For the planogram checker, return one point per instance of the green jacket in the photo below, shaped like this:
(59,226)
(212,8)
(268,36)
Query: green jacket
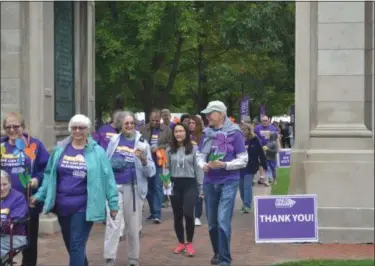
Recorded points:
(101,184)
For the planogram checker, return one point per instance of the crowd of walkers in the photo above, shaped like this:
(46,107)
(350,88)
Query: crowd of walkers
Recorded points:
(107,177)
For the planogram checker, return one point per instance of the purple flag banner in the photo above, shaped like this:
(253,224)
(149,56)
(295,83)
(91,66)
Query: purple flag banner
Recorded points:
(262,111)
(244,108)
(286,219)
(283,158)
(292,113)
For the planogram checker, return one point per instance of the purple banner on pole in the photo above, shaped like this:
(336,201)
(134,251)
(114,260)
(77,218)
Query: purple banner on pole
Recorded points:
(244,107)
(292,113)
(262,111)
(283,158)
(286,219)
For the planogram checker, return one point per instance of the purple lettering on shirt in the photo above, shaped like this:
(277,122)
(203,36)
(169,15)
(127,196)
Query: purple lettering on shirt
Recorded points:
(264,133)
(125,151)
(71,192)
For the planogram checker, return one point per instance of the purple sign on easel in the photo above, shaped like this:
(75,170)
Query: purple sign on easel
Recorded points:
(283,158)
(286,219)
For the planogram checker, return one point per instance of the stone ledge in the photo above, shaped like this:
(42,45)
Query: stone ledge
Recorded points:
(341,130)
(346,235)
(48,224)
(331,217)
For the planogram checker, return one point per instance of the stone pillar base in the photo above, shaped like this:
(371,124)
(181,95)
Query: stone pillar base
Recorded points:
(346,225)
(48,224)
(344,183)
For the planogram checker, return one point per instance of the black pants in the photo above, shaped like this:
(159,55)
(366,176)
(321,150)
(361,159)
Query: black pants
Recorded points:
(285,143)
(183,198)
(30,254)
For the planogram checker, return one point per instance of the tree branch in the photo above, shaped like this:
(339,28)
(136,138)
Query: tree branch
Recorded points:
(208,59)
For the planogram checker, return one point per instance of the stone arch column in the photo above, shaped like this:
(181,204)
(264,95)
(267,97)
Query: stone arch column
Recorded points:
(334,150)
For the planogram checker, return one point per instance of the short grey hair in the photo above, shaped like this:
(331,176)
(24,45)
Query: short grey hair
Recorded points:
(6,175)
(165,111)
(79,119)
(120,119)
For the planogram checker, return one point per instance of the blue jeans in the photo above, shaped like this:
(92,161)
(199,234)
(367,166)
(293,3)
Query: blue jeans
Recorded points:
(220,200)
(76,230)
(155,194)
(271,170)
(246,189)
(198,207)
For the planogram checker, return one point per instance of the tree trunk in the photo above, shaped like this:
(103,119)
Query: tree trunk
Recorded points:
(202,92)
(173,73)
(148,89)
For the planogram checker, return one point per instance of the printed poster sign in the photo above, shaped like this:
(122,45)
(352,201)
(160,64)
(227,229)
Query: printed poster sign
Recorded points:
(286,219)
(283,158)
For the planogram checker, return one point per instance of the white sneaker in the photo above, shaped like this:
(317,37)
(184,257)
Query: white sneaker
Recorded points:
(198,222)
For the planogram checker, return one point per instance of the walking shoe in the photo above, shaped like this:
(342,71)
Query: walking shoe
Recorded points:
(110,262)
(245,210)
(198,222)
(180,248)
(122,238)
(149,218)
(190,250)
(215,260)
(157,221)
(140,234)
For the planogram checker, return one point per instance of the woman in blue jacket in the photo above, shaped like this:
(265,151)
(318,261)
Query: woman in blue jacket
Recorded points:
(77,183)
(257,158)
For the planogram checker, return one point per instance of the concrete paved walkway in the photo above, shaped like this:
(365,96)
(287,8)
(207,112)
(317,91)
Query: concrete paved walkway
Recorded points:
(159,240)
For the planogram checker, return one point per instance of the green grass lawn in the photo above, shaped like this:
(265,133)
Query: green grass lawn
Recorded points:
(329,263)
(281,188)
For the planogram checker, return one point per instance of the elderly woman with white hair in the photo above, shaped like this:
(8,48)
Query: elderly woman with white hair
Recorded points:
(221,155)
(132,163)
(14,208)
(78,181)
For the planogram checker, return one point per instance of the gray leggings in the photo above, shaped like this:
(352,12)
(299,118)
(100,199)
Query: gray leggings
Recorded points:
(18,241)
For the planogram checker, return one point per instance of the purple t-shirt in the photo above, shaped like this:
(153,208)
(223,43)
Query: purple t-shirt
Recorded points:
(264,133)
(125,151)
(104,135)
(231,145)
(171,125)
(13,207)
(14,167)
(71,192)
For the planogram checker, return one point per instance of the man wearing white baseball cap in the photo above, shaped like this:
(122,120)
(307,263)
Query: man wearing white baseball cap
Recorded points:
(221,155)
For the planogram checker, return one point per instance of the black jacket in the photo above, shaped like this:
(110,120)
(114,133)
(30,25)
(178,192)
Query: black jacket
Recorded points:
(256,157)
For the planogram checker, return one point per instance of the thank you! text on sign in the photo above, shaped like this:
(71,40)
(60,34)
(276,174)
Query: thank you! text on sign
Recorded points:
(283,219)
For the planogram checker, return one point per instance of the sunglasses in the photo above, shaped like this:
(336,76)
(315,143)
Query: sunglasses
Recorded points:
(129,123)
(15,127)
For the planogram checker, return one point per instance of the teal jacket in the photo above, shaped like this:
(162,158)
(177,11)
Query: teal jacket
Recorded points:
(101,184)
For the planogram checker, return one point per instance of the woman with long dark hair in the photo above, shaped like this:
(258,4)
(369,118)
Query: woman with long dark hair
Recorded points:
(186,183)
(196,129)
(196,133)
